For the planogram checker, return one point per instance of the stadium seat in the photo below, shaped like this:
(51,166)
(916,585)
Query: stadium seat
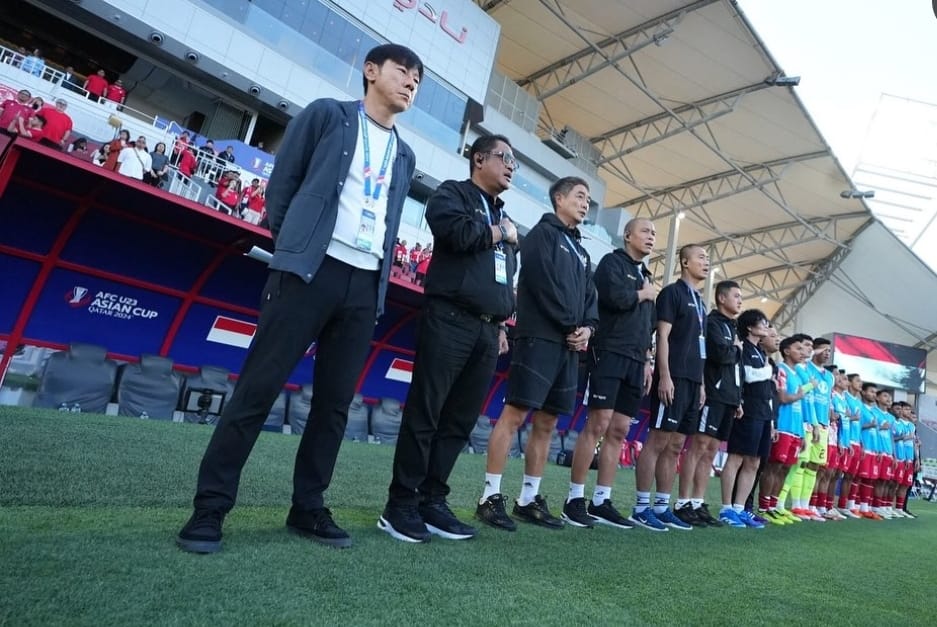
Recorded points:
(385,420)
(80,378)
(515,450)
(277,415)
(358,413)
(210,378)
(569,440)
(299,409)
(148,389)
(478,438)
(556,445)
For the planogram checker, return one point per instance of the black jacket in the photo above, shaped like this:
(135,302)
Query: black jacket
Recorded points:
(463,266)
(626,326)
(555,292)
(721,371)
(304,189)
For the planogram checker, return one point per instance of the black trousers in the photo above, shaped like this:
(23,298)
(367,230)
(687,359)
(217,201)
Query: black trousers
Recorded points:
(338,310)
(456,355)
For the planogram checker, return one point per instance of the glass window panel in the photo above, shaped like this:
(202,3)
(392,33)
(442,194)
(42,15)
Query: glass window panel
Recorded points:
(332,35)
(314,22)
(413,211)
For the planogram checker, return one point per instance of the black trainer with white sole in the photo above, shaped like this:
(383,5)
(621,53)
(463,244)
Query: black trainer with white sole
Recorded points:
(440,521)
(403,523)
(574,512)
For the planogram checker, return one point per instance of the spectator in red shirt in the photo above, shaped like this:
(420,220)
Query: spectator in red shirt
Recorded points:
(229,192)
(96,85)
(180,146)
(252,202)
(400,253)
(116,92)
(13,108)
(187,162)
(58,125)
(31,128)
(423,266)
(116,145)
(415,256)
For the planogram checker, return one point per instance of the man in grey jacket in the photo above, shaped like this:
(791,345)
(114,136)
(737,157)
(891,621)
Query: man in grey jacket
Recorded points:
(334,203)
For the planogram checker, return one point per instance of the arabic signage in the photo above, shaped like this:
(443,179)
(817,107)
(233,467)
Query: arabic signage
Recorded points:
(456,40)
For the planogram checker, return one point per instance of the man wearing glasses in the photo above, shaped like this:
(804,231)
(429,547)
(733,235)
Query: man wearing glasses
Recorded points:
(556,315)
(469,294)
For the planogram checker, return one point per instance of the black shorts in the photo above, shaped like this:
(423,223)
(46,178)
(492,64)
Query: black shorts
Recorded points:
(716,420)
(615,382)
(544,375)
(750,437)
(683,414)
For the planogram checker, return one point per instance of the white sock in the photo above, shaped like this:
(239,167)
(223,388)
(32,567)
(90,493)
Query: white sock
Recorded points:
(492,486)
(642,501)
(529,489)
(739,508)
(601,494)
(851,504)
(697,503)
(681,503)
(576,491)
(726,507)
(864,507)
(661,502)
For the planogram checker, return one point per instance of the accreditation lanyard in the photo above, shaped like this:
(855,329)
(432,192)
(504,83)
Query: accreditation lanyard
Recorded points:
(371,198)
(501,259)
(698,303)
(575,251)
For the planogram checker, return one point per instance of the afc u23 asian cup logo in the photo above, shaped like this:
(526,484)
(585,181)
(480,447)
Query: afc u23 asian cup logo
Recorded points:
(77,297)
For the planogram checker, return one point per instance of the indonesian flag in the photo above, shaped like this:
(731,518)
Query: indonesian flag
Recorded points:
(400,370)
(231,332)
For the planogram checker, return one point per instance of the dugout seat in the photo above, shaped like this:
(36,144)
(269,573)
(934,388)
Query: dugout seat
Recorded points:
(358,414)
(80,376)
(148,388)
(277,415)
(478,438)
(300,403)
(385,420)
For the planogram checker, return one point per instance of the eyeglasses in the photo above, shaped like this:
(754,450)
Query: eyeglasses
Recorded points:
(507,158)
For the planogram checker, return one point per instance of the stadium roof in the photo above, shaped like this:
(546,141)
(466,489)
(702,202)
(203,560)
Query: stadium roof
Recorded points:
(688,112)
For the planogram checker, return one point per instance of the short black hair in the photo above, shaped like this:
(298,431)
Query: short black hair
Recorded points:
(852,376)
(564,186)
(885,391)
(787,342)
(803,337)
(485,143)
(750,318)
(867,385)
(396,53)
(821,341)
(685,251)
(723,287)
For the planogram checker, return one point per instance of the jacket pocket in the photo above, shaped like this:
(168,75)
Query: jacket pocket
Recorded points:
(299,224)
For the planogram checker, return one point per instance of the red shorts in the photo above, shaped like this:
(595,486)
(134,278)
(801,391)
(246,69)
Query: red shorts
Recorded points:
(869,466)
(855,456)
(785,450)
(887,468)
(907,473)
(832,458)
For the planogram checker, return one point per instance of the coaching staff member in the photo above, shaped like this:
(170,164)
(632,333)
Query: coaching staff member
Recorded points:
(469,294)
(334,203)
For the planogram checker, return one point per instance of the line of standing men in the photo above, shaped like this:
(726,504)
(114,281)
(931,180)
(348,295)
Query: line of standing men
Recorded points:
(334,203)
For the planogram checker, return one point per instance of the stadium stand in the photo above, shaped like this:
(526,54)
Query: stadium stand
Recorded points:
(277,415)
(385,420)
(358,416)
(299,409)
(479,436)
(212,384)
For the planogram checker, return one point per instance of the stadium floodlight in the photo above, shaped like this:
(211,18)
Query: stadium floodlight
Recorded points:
(857,193)
(779,80)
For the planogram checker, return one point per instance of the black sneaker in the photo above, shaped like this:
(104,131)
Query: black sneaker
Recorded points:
(702,513)
(538,513)
(317,525)
(688,515)
(202,534)
(442,522)
(492,512)
(606,514)
(403,522)
(574,512)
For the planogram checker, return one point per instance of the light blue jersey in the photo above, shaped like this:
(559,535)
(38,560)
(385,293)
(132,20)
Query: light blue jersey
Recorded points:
(791,415)
(838,400)
(822,393)
(807,407)
(853,404)
(886,442)
(869,434)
